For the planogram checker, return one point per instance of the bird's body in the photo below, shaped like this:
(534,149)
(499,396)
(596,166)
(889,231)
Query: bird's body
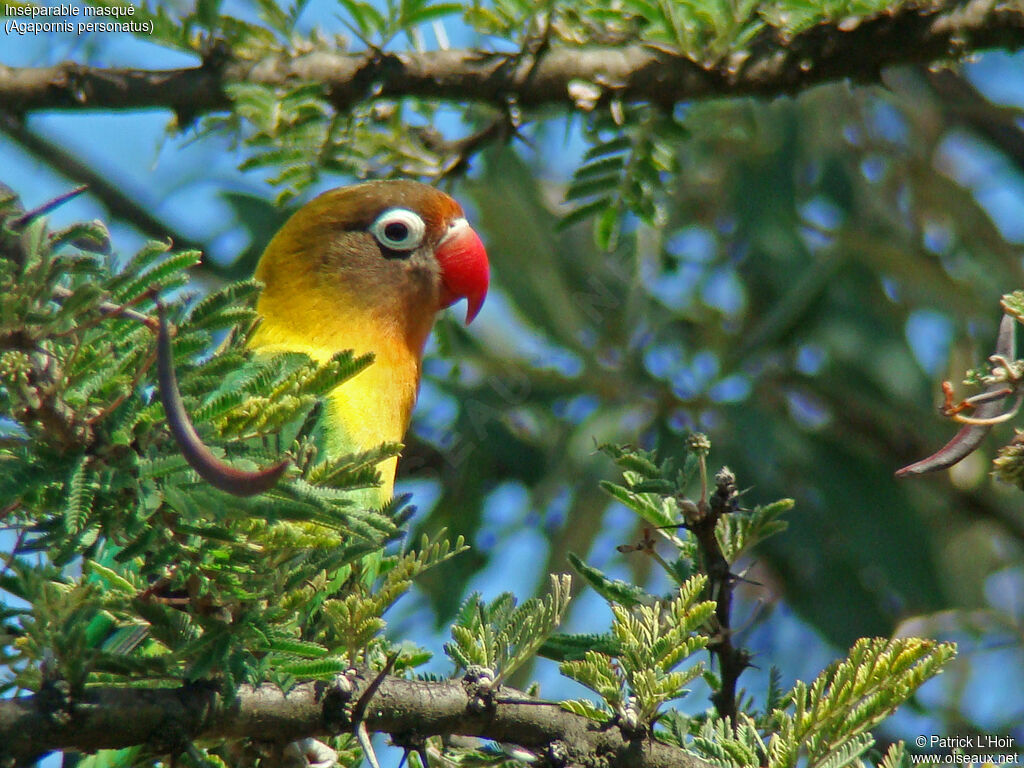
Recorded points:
(367,268)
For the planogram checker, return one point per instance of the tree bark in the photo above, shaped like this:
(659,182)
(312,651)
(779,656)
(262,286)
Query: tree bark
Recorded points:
(856,48)
(168,719)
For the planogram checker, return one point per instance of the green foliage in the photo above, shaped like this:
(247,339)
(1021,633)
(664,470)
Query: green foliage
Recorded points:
(740,533)
(631,153)
(501,636)
(705,32)
(827,720)
(897,757)
(825,723)
(1008,465)
(653,641)
(150,574)
(612,590)
(285,125)
(354,620)
(560,647)
(654,490)
(378,26)
(720,744)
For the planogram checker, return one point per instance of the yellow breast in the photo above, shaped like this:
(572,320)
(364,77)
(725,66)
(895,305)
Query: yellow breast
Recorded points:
(375,405)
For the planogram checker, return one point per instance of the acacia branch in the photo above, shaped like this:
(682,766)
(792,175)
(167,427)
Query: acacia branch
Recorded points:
(702,521)
(775,63)
(168,719)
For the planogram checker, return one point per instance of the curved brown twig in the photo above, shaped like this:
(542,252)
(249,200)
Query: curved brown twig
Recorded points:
(200,458)
(967,440)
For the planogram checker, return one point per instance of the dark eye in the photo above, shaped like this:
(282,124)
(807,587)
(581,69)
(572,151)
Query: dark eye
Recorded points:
(398,229)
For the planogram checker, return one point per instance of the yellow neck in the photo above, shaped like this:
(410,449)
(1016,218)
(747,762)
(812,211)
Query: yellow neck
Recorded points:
(375,405)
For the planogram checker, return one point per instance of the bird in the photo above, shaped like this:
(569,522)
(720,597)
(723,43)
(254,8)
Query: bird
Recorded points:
(366,268)
(363,268)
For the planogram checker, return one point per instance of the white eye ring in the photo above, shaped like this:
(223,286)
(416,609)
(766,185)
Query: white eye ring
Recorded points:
(398,229)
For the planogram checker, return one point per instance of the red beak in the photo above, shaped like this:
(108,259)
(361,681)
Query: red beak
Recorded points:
(465,272)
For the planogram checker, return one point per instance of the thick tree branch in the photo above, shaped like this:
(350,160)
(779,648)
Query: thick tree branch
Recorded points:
(856,49)
(167,719)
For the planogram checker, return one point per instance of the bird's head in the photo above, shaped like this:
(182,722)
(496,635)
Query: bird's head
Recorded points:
(393,251)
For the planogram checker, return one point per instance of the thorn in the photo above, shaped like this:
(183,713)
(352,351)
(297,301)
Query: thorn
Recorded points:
(741,578)
(214,471)
(48,206)
(311,753)
(359,710)
(363,736)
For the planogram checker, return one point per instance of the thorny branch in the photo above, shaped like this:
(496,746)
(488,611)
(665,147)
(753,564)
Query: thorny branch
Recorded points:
(775,63)
(701,519)
(399,707)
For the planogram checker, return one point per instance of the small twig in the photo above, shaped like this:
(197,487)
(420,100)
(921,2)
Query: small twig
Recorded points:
(8,510)
(125,392)
(991,422)
(967,440)
(535,47)
(731,660)
(646,545)
(214,471)
(951,408)
(458,152)
(1009,375)
(525,701)
(111,309)
(46,207)
(409,744)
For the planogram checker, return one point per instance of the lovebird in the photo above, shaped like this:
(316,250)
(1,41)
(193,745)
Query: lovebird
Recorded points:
(367,267)
(363,268)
